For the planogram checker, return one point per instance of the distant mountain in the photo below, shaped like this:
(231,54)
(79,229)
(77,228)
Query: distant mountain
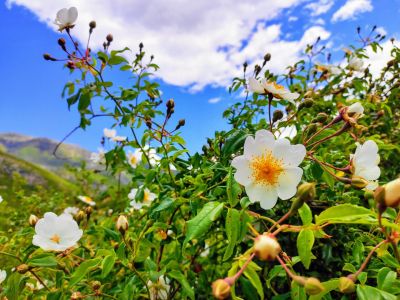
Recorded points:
(40,151)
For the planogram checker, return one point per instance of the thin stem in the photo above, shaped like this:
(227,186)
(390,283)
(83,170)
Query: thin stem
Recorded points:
(269,111)
(283,218)
(368,258)
(39,279)
(284,266)
(11,255)
(242,269)
(341,130)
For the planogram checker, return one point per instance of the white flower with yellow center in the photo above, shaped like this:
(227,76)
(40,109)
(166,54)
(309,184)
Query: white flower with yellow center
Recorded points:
(266,87)
(364,163)
(3,275)
(268,168)
(159,290)
(356,64)
(66,18)
(154,158)
(148,197)
(87,200)
(134,158)
(56,233)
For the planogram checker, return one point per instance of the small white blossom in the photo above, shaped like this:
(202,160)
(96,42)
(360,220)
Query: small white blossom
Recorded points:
(56,233)
(159,290)
(66,18)
(3,275)
(263,87)
(71,210)
(134,158)
(87,200)
(268,168)
(112,135)
(287,132)
(98,157)
(148,197)
(364,163)
(356,109)
(154,158)
(356,64)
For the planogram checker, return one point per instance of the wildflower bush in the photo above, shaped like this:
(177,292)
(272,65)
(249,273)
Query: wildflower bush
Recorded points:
(297,200)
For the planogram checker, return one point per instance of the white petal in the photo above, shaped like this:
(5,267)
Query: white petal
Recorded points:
(356,108)
(291,155)
(288,181)
(290,96)
(259,193)
(370,173)
(62,16)
(263,142)
(255,86)
(72,15)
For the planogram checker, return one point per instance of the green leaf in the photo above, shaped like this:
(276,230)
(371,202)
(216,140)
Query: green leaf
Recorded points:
(187,289)
(387,281)
(305,214)
(15,284)
(83,269)
(43,260)
(107,264)
(116,60)
(329,286)
(346,213)
(297,292)
(233,189)
(251,274)
(366,292)
(200,224)
(305,242)
(84,101)
(232,228)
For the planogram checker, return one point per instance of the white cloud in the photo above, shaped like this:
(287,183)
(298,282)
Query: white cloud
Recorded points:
(377,61)
(381,31)
(319,21)
(351,9)
(293,19)
(196,43)
(320,7)
(214,100)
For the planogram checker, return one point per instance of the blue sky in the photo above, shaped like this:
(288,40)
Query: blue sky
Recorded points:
(199,48)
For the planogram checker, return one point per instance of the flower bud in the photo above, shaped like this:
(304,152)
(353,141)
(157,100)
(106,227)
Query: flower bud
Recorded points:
(76,296)
(313,286)
(346,285)
(180,124)
(22,269)
(170,104)
(33,220)
(392,193)
(92,24)
(221,289)
(306,192)
(88,211)
(308,102)
(96,285)
(278,114)
(122,224)
(71,65)
(80,216)
(109,38)
(266,247)
(61,42)
(47,56)
(267,57)
(311,129)
(359,182)
(321,118)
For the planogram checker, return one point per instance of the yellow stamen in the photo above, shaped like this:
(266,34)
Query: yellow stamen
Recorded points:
(146,196)
(55,238)
(133,160)
(266,169)
(278,86)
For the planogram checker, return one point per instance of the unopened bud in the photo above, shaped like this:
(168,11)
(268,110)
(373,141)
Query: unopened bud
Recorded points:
(257,69)
(321,118)
(392,193)
(61,42)
(122,224)
(148,122)
(76,296)
(170,104)
(96,285)
(140,46)
(80,216)
(33,220)
(346,285)
(278,114)
(47,56)
(308,102)
(92,24)
(267,57)
(311,129)
(22,269)
(221,289)
(359,182)
(71,65)
(109,38)
(313,286)
(266,247)
(180,124)
(88,211)
(306,192)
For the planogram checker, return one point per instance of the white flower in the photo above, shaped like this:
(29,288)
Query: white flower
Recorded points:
(98,157)
(66,18)
(365,162)
(38,286)
(154,158)
(160,289)
(87,200)
(135,158)
(1,199)
(56,233)
(288,132)
(355,109)
(3,275)
(148,197)
(71,210)
(268,168)
(112,135)
(334,70)
(279,91)
(356,64)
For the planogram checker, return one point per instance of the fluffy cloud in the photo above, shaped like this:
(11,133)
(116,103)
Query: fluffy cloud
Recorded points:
(214,100)
(196,43)
(320,7)
(351,9)
(378,60)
